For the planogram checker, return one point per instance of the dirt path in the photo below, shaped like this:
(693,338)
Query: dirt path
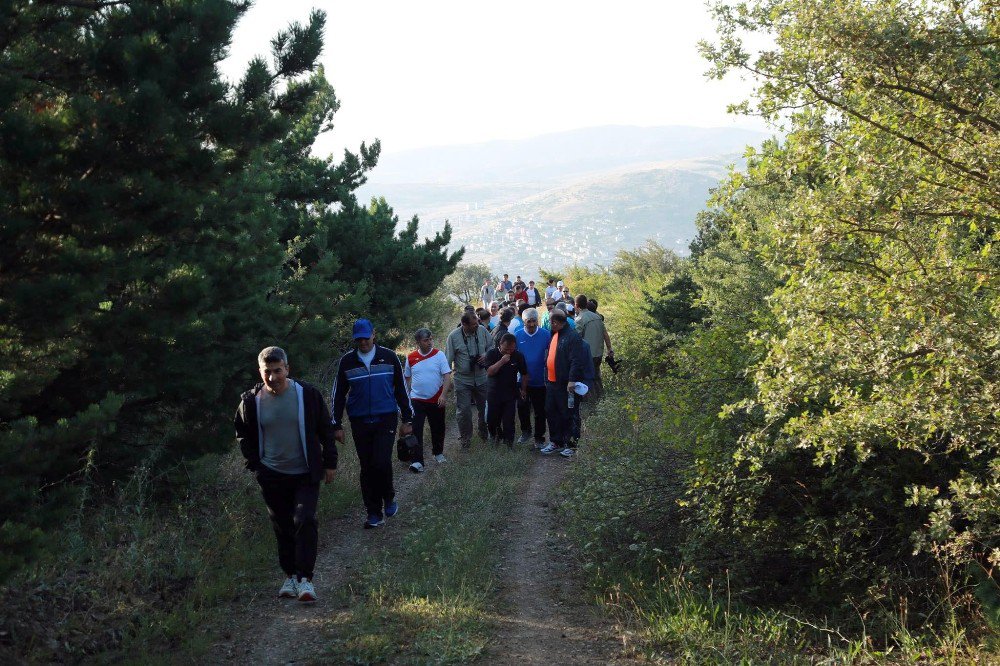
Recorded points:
(269,623)
(549,621)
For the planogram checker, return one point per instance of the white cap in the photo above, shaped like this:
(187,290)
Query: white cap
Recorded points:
(559,284)
(581,388)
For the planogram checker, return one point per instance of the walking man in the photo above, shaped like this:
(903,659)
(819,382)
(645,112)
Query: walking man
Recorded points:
(284,432)
(486,293)
(503,366)
(591,327)
(465,350)
(428,381)
(564,367)
(534,296)
(533,343)
(370,384)
(504,287)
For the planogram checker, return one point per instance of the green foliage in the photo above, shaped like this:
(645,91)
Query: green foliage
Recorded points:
(821,405)
(159,227)
(464,283)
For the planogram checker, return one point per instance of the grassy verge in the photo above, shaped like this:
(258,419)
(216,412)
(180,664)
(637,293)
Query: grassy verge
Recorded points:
(144,580)
(620,516)
(427,599)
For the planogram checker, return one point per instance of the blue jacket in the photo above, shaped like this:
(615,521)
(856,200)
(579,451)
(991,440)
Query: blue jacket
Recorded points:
(370,392)
(533,347)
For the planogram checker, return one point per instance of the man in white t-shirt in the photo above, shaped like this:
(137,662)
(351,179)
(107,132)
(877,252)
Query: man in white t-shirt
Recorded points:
(428,380)
(486,293)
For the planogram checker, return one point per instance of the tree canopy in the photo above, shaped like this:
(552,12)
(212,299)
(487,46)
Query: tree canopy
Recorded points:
(161,225)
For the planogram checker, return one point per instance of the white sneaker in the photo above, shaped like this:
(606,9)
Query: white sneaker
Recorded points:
(524,438)
(416,467)
(440,458)
(548,448)
(306,590)
(289,589)
(567,452)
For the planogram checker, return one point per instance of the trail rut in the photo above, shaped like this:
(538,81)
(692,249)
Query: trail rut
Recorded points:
(549,620)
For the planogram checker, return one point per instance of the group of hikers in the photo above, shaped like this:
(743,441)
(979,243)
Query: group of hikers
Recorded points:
(504,360)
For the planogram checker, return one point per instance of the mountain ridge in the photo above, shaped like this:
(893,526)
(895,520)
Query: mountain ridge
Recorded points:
(514,203)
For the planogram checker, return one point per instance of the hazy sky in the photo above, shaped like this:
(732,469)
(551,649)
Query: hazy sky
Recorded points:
(443,72)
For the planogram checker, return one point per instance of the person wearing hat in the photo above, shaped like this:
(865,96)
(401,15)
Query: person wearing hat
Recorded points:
(370,385)
(284,432)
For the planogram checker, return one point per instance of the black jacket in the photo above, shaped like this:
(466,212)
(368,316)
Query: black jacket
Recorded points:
(320,446)
(570,357)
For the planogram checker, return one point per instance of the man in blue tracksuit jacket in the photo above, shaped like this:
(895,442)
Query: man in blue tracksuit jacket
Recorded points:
(370,384)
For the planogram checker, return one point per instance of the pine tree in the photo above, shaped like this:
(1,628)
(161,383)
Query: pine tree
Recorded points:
(159,227)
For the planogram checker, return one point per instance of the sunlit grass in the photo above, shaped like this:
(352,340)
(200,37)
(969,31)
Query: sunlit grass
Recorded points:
(427,599)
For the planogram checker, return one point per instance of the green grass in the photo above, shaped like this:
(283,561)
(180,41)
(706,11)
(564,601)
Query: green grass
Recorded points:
(673,620)
(428,599)
(673,617)
(142,580)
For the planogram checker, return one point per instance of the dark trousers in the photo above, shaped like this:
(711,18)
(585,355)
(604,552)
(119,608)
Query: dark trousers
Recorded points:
(433,415)
(467,396)
(559,415)
(576,420)
(597,389)
(535,403)
(500,417)
(374,439)
(291,503)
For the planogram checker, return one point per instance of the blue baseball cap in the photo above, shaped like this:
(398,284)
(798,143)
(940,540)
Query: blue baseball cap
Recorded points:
(363,329)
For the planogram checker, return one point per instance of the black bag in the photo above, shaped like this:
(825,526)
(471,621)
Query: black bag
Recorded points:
(406,448)
(612,362)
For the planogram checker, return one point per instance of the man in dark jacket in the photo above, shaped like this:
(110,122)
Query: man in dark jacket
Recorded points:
(284,432)
(370,384)
(564,367)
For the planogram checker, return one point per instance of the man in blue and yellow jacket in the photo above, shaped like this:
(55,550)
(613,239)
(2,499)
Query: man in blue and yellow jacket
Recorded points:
(370,384)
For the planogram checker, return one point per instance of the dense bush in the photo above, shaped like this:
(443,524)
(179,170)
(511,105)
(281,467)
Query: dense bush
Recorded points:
(826,380)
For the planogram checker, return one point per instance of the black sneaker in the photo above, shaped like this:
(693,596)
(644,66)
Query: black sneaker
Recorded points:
(373,522)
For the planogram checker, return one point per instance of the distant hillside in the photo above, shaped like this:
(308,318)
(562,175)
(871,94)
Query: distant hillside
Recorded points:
(559,156)
(573,197)
(586,223)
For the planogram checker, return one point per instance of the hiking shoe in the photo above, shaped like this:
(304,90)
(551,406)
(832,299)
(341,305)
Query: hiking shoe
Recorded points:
(289,589)
(440,458)
(392,508)
(416,467)
(548,448)
(373,522)
(306,590)
(524,439)
(567,452)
